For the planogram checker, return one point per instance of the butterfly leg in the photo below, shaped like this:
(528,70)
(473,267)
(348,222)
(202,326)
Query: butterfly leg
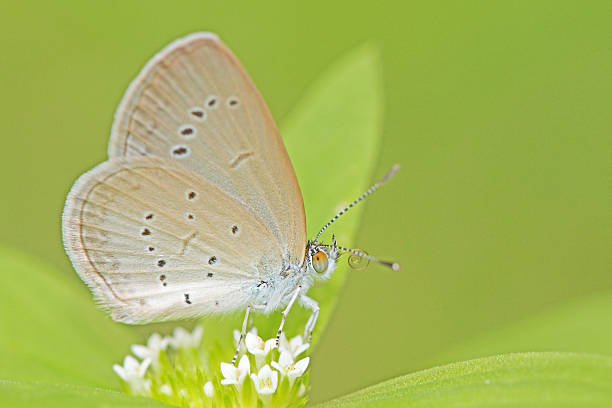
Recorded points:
(244,328)
(242,334)
(286,311)
(312,320)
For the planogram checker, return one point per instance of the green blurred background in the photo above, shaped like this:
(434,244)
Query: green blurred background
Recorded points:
(499,112)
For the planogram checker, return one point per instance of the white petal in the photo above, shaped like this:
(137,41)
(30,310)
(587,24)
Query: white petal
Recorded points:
(301,366)
(300,349)
(229,371)
(141,351)
(278,367)
(254,343)
(130,363)
(265,371)
(255,381)
(180,333)
(228,382)
(209,390)
(284,343)
(169,340)
(120,371)
(179,338)
(143,367)
(244,366)
(269,345)
(285,359)
(156,342)
(274,380)
(266,390)
(296,342)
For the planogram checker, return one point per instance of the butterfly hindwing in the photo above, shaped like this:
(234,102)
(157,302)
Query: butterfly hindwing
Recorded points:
(155,241)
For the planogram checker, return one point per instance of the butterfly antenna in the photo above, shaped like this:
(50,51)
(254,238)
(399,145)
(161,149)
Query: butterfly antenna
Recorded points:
(370,190)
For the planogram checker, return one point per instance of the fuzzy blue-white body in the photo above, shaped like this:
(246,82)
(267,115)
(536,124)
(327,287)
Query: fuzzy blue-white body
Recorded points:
(274,290)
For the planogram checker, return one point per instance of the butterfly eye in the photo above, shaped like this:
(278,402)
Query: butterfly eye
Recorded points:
(319,262)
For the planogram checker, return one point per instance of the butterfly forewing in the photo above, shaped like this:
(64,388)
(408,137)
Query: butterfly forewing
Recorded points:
(198,200)
(194,103)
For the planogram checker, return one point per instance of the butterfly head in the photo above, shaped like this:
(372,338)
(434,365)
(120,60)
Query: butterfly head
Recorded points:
(321,259)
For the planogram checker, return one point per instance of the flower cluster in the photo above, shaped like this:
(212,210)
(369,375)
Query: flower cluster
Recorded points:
(179,370)
(264,378)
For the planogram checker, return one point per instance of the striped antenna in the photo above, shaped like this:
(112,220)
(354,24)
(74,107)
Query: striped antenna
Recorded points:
(370,190)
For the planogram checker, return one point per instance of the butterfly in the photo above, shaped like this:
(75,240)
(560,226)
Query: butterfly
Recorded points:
(197,210)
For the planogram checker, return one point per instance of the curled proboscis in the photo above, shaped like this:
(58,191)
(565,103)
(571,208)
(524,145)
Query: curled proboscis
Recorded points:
(357,262)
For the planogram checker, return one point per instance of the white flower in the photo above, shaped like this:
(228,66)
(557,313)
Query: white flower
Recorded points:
(287,367)
(209,390)
(302,390)
(235,375)
(294,347)
(265,381)
(181,338)
(132,372)
(257,347)
(155,344)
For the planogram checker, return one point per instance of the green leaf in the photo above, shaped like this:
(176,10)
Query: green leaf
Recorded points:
(332,137)
(38,394)
(583,325)
(510,380)
(50,329)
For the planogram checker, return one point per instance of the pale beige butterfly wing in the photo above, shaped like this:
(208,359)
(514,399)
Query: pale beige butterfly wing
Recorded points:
(195,103)
(153,243)
(246,219)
